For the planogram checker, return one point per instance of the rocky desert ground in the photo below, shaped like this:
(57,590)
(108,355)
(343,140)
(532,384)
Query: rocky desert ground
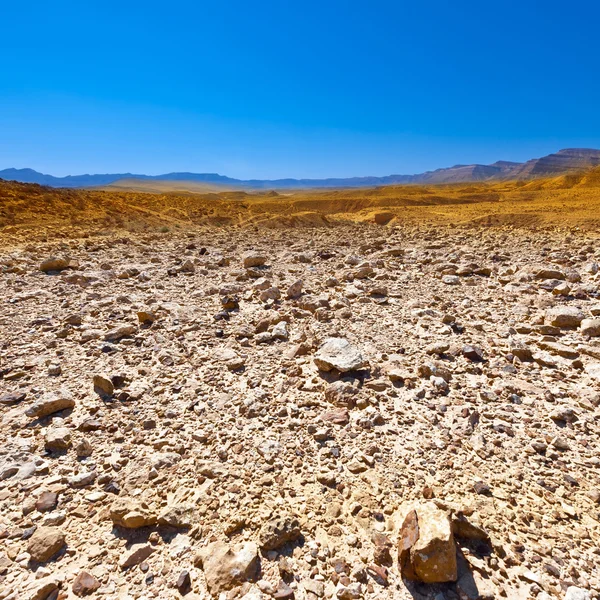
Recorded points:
(390,395)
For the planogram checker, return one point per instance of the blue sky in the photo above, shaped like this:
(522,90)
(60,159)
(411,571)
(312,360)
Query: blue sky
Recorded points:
(302,89)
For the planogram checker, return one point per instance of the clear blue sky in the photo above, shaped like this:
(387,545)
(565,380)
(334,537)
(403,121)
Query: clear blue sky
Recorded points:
(252,88)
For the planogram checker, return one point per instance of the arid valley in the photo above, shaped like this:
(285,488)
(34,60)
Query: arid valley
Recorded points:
(390,392)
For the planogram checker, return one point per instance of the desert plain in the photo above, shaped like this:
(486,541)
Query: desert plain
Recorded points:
(389,393)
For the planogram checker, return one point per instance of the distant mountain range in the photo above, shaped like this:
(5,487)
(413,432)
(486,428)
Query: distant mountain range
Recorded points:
(562,162)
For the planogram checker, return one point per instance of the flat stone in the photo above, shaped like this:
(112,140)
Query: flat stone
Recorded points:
(136,555)
(51,404)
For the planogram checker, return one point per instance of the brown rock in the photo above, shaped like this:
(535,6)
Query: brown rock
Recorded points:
(46,501)
(137,554)
(45,543)
(84,584)
(103,386)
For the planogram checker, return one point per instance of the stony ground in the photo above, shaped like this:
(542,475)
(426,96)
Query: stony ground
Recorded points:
(348,412)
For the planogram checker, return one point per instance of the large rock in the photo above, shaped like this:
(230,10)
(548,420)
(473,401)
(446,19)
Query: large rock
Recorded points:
(279,531)
(254,259)
(225,567)
(338,353)
(427,550)
(84,584)
(51,404)
(130,514)
(590,327)
(55,264)
(45,543)
(180,516)
(103,386)
(136,555)
(550,274)
(577,593)
(116,333)
(564,316)
(57,439)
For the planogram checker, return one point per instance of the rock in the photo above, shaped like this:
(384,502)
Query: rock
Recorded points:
(84,584)
(314,587)
(231,359)
(48,589)
(45,543)
(283,591)
(184,583)
(46,501)
(103,386)
(341,393)
(550,274)
(50,404)
(464,529)
(590,327)
(226,567)
(473,353)
(82,479)
(338,353)
(177,516)
(12,398)
(130,514)
(146,317)
(55,264)
(279,531)
(280,331)
(451,280)
(117,333)
(254,259)
(337,416)
(577,593)
(83,448)
(136,555)
(427,550)
(57,439)
(295,290)
(564,317)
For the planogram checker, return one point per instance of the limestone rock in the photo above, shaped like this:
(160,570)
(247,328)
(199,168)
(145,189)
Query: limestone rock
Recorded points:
(45,543)
(226,567)
(427,550)
(279,531)
(590,327)
(338,353)
(57,439)
(564,316)
(131,514)
(51,404)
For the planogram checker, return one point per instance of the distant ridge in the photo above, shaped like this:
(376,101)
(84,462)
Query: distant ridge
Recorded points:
(562,162)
